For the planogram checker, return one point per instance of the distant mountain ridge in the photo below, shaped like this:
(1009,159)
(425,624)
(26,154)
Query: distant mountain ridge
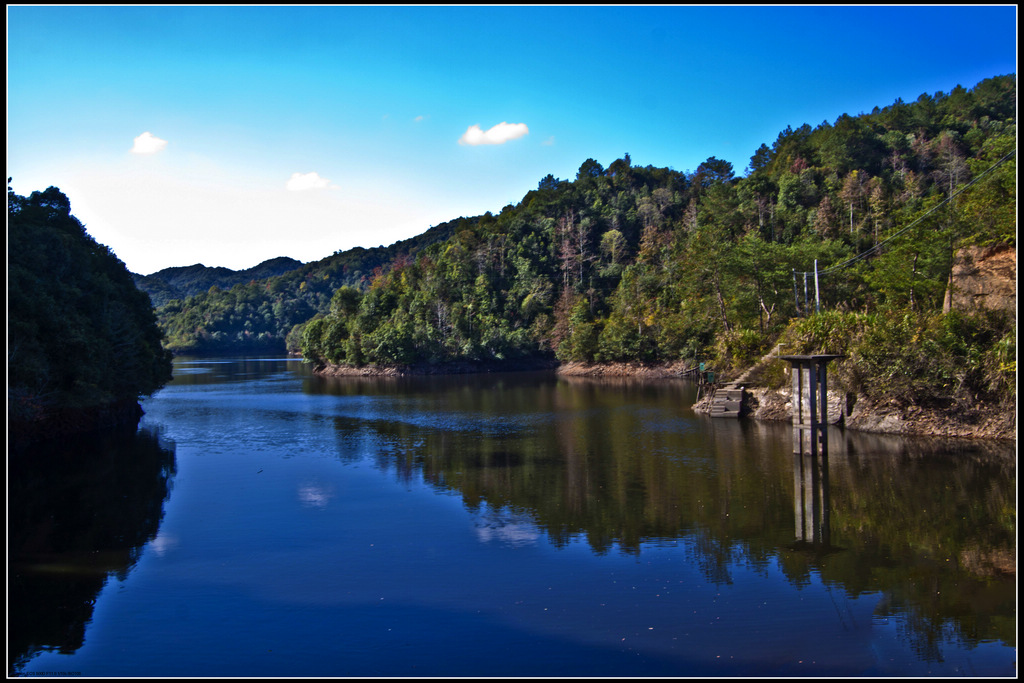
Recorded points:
(179,282)
(217,310)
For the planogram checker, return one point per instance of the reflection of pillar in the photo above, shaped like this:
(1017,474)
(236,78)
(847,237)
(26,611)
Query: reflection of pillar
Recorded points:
(811,503)
(810,446)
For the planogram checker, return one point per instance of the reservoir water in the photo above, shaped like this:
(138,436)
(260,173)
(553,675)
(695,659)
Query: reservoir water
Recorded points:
(266,522)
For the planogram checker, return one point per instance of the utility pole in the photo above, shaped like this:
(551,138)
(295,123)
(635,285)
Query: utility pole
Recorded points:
(805,290)
(796,293)
(817,298)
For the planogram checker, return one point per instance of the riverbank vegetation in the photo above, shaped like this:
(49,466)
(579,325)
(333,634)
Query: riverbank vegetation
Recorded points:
(82,341)
(949,360)
(634,264)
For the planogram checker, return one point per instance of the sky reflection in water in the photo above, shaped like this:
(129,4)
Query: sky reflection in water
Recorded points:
(499,525)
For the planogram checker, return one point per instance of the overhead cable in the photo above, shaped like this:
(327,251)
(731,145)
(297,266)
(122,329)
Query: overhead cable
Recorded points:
(948,199)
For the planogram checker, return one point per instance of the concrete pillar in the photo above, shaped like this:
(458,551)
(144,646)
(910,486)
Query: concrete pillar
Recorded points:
(810,446)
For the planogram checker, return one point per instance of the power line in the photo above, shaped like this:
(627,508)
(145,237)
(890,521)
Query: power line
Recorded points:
(878,246)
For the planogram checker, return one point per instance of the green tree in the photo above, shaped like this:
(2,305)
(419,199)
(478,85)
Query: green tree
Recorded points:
(81,337)
(990,206)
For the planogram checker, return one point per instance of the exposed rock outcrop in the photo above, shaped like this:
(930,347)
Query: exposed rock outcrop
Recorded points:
(860,414)
(767,404)
(984,277)
(644,370)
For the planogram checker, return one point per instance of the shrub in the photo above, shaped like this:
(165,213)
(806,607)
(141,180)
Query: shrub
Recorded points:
(739,349)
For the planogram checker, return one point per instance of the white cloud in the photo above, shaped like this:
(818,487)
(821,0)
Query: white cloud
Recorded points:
(147,143)
(550,141)
(162,544)
(306,181)
(498,135)
(316,495)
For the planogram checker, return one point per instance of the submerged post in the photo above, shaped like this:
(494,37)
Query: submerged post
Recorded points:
(810,445)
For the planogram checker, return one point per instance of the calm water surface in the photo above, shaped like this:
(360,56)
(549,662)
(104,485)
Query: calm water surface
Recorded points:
(265,522)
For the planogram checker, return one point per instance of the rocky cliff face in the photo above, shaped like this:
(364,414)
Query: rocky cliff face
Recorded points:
(984,277)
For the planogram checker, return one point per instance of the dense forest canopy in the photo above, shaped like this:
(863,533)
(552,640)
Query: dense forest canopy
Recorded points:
(634,263)
(80,335)
(216,310)
(184,281)
(646,264)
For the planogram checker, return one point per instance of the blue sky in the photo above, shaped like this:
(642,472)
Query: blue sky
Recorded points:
(230,135)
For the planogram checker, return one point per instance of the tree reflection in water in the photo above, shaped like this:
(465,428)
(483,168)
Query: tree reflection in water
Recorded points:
(80,511)
(731,493)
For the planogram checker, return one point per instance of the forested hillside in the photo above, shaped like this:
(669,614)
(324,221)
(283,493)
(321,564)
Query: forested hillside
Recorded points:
(634,263)
(216,310)
(82,342)
(182,282)
(642,264)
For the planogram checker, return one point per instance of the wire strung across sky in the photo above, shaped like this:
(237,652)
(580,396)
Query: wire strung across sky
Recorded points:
(878,246)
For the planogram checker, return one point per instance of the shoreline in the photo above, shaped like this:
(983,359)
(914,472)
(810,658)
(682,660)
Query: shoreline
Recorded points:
(676,370)
(860,414)
(423,369)
(851,412)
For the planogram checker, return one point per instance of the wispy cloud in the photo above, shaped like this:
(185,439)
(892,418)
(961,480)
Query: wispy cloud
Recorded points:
(306,181)
(498,135)
(147,143)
